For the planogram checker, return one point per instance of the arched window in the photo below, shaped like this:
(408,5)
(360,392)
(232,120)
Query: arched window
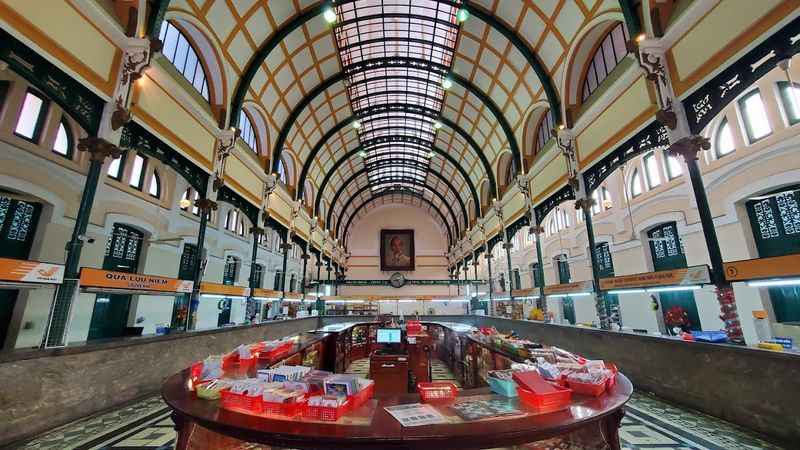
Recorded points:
(636,183)
(509,175)
(602,200)
(652,171)
(240,228)
(723,143)
(543,132)
(231,219)
(247,133)
(610,52)
(31,119)
(282,171)
(180,53)
(754,114)
(790,97)
(155,185)
(116,166)
(137,173)
(64,141)
(185,198)
(674,169)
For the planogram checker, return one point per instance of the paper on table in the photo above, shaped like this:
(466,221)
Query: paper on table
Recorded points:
(415,414)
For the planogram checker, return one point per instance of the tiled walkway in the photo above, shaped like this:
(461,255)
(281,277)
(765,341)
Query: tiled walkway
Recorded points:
(649,424)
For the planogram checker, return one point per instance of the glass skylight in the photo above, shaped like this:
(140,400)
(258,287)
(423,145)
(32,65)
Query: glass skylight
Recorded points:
(395,54)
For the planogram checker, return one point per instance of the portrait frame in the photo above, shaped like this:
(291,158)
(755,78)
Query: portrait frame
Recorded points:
(407,239)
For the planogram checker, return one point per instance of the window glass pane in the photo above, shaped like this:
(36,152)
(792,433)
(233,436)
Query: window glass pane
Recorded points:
(195,209)
(636,184)
(791,102)
(597,202)
(653,175)
(155,188)
(674,168)
(608,53)
(755,116)
(180,54)
(62,144)
(29,117)
(137,172)
(170,42)
(114,168)
(725,143)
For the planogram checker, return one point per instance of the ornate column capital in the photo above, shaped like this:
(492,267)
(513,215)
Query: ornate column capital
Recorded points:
(688,147)
(585,203)
(206,204)
(99,148)
(226,139)
(136,56)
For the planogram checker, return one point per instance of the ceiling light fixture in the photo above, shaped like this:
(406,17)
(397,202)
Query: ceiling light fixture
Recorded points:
(437,125)
(356,124)
(640,37)
(768,283)
(462,15)
(447,83)
(329,15)
(362,154)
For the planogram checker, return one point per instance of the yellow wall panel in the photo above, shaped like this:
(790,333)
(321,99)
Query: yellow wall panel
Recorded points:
(549,178)
(157,107)
(62,31)
(629,110)
(239,174)
(721,27)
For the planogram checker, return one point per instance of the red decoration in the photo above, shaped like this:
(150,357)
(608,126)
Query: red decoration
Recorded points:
(677,317)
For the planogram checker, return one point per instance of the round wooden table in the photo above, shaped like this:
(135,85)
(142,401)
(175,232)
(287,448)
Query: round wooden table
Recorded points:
(593,422)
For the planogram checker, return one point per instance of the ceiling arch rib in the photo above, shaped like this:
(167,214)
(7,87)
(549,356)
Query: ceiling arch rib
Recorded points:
(347,156)
(369,190)
(391,192)
(345,125)
(403,167)
(368,31)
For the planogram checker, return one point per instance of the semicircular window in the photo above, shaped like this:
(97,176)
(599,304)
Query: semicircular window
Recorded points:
(183,56)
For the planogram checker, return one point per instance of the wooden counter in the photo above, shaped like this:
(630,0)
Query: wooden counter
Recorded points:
(203,425)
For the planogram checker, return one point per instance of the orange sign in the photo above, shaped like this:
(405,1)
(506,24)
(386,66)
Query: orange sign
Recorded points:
(223,289)
(266,293)
(30,271)
(688,276)
(569,288)
(754,269)
(293,295)
(96,278)
(530,292)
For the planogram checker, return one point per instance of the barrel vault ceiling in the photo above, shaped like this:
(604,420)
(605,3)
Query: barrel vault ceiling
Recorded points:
(358,107)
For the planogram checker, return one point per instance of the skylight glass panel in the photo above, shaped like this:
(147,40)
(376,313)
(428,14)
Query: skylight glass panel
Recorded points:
(395,54)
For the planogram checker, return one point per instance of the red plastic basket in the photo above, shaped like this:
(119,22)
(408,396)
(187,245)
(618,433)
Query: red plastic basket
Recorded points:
(553,401)
(326,413)
(276,352)
(437,391)
(241,402)
(230,360)
(594,390)
(361,396)
(283,409)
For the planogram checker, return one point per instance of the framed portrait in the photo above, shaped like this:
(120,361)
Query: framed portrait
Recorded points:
(397,250)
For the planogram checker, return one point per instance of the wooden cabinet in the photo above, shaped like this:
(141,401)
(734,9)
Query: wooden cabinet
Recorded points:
(390,373)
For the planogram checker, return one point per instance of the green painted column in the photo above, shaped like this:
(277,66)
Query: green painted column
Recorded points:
(320,303)
(541,303)
(58,322)
(205,206)
(250,309)
(600,298)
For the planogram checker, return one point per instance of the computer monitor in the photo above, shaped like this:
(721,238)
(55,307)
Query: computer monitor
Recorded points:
(388,336)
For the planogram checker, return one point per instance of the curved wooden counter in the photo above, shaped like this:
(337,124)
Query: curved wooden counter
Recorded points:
(202,425)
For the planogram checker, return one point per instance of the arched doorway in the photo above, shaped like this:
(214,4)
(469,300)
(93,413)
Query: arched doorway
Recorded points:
(110,314)
(775,221)
(666,249)
(18,221)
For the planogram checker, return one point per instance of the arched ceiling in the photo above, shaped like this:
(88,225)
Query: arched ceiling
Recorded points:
(382,63)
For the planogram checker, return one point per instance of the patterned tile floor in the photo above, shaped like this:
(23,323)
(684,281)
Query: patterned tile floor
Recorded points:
(649,424)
